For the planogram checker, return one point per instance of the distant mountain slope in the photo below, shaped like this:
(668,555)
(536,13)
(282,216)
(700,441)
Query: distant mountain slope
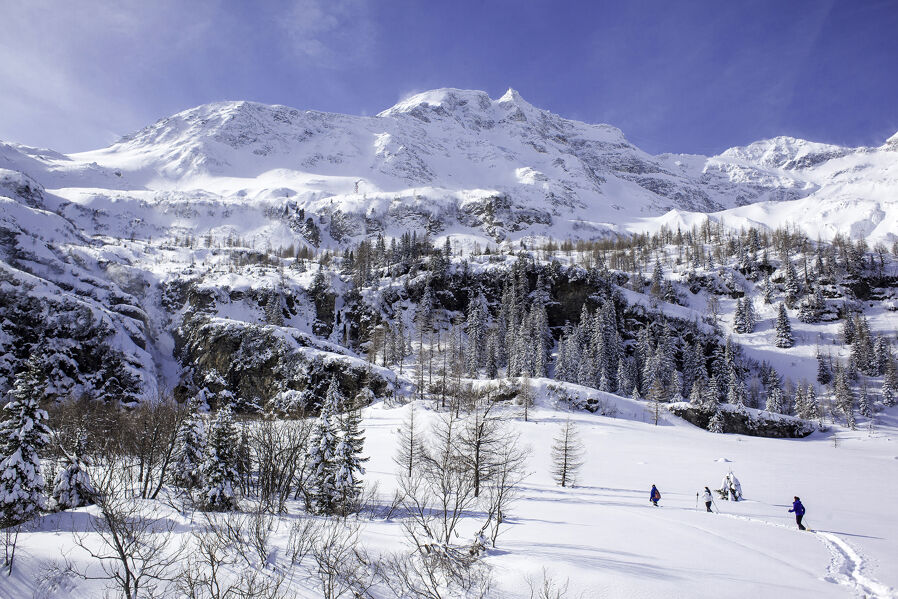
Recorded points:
(456,161)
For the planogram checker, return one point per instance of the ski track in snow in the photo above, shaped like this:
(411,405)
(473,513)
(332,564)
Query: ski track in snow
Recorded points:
(845,566)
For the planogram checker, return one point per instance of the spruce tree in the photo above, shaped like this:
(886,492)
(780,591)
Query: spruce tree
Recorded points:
(863,403)
(775,401)
(824,375)
(322,451)
(715,425)
(220,475)
(23,434)
(784,337)
(190,449)
(811,404)
(348,462)
(72,487)
(890,384)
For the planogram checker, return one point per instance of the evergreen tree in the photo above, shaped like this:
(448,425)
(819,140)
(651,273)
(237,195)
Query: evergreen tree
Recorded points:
(476,330)
(811,404)
(863,404)
(739,317)
(23,434)
(883,354)
(72,487)
(697,393)
(775,401)
(348,462)
(322,448)
(793,288)
(844,396)
(848,329)
(623,376)
(768,289)
(784,337)
(715,425)
(190,449)
(824,374)
(220,474)
(492,355)
(890,384)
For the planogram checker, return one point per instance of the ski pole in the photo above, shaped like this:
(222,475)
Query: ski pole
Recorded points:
(696,501)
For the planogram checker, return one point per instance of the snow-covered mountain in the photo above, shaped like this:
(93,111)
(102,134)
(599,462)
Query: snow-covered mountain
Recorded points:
(109,245)
(458,162)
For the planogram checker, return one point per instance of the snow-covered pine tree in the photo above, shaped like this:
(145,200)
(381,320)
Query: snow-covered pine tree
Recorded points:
(322,450)
(793,287)
(715,425)
(848,329)
(775,401)
(23,434)
(657,394)
(739,317)
(586,372)
(348,462)
(562,360)
(890,384)
(476,331)
(863,404)
(220,475)
(567,454)
(492,355)
(72,487)
(800,401)
(824,374)
(657,279)
(190,449)
(883,353)
(811,404)
(844,395)
(697,393)
(749,318)
(784,337)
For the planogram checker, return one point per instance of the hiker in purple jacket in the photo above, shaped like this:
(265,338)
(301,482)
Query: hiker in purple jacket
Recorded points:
(798,509)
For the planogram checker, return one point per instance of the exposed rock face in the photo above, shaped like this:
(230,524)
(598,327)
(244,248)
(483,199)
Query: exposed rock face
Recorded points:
(256,362)
(746,421)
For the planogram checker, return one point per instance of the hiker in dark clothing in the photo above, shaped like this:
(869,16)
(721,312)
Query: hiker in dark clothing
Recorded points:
(799,512)
(654,496)
(708,498)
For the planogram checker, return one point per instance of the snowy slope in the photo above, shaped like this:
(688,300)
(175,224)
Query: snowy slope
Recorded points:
(604,537)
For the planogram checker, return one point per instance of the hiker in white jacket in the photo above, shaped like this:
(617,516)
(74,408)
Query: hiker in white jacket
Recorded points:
(707,498)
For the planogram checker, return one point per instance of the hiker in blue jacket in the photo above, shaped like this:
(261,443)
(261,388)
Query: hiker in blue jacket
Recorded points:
(654,496)
(799,512)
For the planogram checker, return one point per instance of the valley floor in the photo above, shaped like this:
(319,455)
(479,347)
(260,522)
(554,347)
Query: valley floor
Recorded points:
(604,537)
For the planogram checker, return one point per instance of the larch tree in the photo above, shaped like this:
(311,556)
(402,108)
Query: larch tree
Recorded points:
(567,454)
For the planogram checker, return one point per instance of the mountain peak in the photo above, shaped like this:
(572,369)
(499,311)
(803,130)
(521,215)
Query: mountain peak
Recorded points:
(444,98)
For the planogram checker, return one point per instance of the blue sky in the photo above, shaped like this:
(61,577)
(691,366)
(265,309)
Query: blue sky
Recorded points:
(674,76)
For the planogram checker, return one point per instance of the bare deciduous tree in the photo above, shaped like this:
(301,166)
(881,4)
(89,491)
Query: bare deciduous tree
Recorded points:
(567,454)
